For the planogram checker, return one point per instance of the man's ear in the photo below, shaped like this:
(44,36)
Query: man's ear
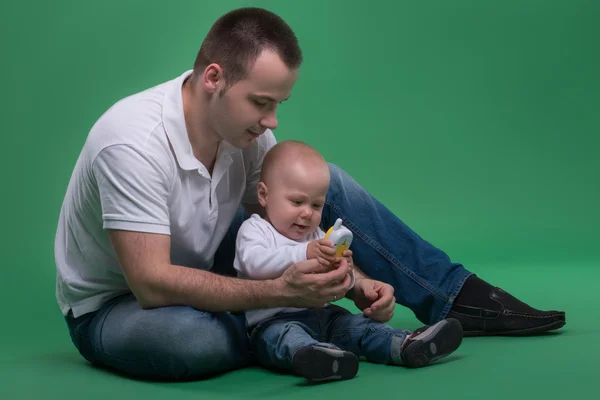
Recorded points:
(213,79)
(262,194)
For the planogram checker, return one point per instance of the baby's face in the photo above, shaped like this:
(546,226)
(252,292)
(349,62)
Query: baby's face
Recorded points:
(295,198)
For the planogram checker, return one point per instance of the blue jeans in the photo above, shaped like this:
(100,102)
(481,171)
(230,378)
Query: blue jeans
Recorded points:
(176,343)
(275,340)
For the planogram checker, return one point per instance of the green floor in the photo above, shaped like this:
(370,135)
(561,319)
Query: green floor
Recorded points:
(476,122)
(43,364)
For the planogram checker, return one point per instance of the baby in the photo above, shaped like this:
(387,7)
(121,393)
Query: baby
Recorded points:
(324,343)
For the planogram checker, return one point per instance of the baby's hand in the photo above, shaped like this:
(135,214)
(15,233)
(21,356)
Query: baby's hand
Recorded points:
(322,250)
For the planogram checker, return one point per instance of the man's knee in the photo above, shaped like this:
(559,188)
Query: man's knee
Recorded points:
(203,347)
(341,181)
(174,343)
(336,173)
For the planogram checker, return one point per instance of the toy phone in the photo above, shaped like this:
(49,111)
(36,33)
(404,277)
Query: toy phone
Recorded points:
(340,236)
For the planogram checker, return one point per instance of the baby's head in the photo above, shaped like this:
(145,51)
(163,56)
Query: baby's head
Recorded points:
(293,184)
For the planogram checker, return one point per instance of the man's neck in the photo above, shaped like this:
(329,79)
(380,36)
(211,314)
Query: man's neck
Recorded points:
(205,145)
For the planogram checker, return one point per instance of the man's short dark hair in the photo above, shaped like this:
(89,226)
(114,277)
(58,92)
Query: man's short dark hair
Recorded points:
(237,38)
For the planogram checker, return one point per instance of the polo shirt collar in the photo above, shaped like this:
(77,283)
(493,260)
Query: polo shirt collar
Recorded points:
(174,123)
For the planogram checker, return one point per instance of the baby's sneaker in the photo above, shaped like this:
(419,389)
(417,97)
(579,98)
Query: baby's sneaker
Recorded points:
(431,343)
(318,363)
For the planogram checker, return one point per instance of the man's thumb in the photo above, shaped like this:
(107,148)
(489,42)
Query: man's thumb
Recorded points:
(371,294)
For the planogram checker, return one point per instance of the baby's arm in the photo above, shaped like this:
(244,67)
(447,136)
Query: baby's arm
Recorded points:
(256,256)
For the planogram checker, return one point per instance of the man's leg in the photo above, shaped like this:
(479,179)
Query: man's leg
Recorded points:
(168,343)
(423,276)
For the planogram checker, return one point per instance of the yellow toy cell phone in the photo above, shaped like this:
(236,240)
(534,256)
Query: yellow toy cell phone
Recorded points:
(340,236)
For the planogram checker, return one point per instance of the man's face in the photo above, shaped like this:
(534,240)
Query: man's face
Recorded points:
(249,107)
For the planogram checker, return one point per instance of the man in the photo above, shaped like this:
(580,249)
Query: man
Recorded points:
(145,241)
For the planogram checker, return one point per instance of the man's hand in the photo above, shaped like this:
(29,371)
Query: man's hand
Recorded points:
(375,299)
(322,250)
(310,284)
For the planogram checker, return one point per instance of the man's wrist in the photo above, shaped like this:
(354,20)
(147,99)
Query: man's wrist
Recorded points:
(354,278)
(357,276)
(359,273)
(275,294)
(280,294)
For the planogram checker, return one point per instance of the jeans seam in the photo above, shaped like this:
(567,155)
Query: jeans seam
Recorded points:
(370,327)
(378,248)
(348,332)
(100,346)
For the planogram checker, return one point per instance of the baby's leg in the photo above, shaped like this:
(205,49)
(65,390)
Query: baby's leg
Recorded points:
(431,343)
(380,343)
(290,345)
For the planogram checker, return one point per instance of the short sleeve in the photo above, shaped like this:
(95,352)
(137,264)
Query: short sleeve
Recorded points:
(253,159)
(134,190)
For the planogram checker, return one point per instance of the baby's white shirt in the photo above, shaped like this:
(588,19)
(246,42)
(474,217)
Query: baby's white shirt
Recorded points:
(263,253)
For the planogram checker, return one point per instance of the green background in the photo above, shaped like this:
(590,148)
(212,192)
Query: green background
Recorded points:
(476,122)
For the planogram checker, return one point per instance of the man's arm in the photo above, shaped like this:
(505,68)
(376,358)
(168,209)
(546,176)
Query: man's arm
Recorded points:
(146,265)
(374,298)
(134,186)
(358,275)
(155,282)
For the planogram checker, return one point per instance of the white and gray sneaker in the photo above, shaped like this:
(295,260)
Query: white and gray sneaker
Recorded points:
(431,343)
(318,363)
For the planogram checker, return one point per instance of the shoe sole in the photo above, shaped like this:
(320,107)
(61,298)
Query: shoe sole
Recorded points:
(521,332)
(322,364)
(438,341)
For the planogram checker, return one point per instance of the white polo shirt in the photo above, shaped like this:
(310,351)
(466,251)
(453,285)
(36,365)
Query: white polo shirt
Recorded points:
(137,172)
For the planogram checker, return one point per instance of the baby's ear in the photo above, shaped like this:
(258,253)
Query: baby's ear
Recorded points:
(262,194)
